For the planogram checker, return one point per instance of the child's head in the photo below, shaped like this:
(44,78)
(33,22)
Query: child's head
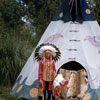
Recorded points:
(48,54)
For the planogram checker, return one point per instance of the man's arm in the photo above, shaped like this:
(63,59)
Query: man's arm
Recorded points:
(54,69)
(40,71)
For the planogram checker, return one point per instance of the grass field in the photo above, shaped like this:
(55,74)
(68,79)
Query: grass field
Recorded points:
(5,93)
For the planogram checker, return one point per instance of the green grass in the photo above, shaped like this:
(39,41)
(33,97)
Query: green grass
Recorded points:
(5,93)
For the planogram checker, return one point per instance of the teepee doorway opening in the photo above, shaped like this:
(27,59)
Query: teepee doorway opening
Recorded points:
(72,65)
(76,76)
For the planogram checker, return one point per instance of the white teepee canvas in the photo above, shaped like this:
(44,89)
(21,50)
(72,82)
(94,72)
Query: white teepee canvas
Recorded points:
(78,41)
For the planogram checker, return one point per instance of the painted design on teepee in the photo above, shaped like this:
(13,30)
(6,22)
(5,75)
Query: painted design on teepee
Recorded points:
(61,14)
(53,38)
(88,11)
(95,41)
(19,89)
(34,92)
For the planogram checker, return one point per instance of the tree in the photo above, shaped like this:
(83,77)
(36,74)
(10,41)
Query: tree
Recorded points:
(11,12)
(40,13)
(94,5)
(96,10)
(16,41)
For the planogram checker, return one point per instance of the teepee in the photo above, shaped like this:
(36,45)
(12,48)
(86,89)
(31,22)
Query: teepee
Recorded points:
(75,31)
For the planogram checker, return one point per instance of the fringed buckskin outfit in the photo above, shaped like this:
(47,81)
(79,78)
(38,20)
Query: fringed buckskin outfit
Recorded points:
(46,72)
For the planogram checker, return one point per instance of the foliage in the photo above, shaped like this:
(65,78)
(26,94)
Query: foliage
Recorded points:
(11,12)
(13,55)
(4,92)
(40,13)
(96,10)
(17,42)
(95,6)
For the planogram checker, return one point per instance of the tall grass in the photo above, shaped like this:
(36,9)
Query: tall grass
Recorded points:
(14,51)
(4,93)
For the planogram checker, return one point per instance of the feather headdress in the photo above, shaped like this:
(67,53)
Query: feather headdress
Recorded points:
(39,51)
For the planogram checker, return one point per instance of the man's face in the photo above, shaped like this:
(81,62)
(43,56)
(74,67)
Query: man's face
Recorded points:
(48,54)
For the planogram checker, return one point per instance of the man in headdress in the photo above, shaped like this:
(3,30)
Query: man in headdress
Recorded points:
(47,55)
